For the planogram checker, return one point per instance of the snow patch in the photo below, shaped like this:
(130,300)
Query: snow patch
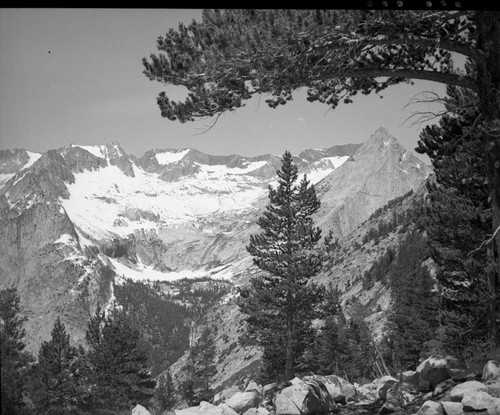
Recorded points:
(141,272)
(337,161)
(84,242)
(168,157)
(4,178)
(98,151)
(218,171)
(33,158)
(145,273)
(66,239)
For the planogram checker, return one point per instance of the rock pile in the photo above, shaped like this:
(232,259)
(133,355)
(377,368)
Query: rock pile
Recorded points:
(442,387)
(437,387)
(307,396)
(467,396)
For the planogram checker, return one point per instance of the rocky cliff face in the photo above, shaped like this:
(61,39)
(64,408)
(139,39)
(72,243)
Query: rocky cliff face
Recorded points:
(379,171)
(43,254)
(13,161)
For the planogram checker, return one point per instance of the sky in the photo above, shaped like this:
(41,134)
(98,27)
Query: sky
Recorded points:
(74,76)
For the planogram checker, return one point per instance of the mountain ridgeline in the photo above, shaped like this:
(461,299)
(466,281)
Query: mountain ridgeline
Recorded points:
(84,227)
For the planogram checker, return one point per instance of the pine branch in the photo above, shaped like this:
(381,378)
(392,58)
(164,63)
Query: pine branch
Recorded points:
(359,43)
(440,77)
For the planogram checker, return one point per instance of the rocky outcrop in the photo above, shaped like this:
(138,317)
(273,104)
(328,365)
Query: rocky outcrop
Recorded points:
(13,161)
(42,253)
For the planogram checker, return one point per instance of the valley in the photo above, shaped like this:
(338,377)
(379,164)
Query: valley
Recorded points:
(81,220)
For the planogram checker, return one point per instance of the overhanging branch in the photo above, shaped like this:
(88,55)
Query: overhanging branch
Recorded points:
(443,78)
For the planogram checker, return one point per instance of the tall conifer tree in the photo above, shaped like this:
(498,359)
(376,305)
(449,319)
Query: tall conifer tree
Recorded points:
(414,313)
(120,372)
(14,360)
(280,304)
(457,218)
(55,386)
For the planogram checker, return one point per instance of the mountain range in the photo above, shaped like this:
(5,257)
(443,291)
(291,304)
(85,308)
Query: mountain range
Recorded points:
(77,220)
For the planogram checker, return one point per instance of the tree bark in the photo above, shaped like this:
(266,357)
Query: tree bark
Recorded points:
(289,373)
(489,93)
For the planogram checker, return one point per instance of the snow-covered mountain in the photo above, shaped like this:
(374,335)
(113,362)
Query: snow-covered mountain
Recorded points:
(74,220)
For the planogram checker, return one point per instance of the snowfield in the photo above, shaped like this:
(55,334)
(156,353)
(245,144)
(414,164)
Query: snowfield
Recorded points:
(169,157)
(142,272)
(106,201)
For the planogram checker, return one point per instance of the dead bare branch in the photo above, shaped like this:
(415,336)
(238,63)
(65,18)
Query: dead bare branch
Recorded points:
(488,241)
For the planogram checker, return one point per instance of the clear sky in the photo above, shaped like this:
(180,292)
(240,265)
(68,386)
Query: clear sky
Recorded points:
(75,76)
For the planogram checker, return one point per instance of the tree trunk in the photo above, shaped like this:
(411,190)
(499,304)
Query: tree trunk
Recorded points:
(289,374)
(489,93)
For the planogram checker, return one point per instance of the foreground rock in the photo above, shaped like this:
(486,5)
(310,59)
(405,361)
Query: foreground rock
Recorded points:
(445,393)
(469,397)
(140,410)
(242,401)
(340,389)
(304,398)
(433,371)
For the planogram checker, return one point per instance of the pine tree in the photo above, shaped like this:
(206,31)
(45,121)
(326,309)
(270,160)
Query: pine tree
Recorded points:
(119,370)
(285,251)
(165,393)
(200,368)
(344,347)
(457,218)
(413,319)
(55,386)
(14,360)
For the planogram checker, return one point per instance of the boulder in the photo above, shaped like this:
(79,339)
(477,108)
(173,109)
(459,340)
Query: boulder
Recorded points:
(227,410)
(285,405)
(444,386)
(365,392)
(204,408)
(304,398)
(242,401)
(268,391)
(467,388)
(257,411)
(389,408)
(383,384)
(430,408)
(491,371)
(479,360)
(140,410)
(340,389)
(493,389)
(225,394)
(410,378)
(452,408)
(481,401)
(433,371)
(393,398)
(253,386)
